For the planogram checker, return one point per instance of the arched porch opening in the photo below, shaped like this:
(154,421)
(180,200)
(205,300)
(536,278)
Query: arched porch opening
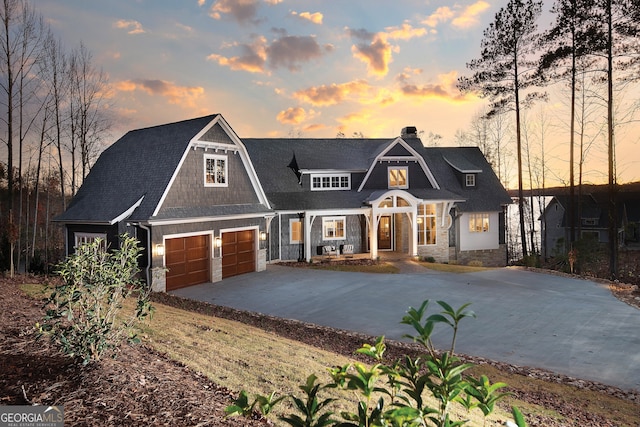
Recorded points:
(384,208)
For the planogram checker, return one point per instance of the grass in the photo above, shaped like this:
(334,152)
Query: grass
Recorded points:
(382,268)
(452,268)
(239,357)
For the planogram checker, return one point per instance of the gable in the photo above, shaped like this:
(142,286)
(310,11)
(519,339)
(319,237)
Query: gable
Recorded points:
(189,189)
(398,153)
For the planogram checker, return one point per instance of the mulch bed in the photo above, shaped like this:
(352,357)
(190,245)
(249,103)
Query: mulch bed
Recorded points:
(143,387)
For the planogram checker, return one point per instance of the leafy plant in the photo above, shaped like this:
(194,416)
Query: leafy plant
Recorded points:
(85,314)
(399,401)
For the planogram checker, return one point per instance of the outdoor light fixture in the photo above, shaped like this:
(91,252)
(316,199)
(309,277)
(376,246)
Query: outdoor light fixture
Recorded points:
(217,242)
(160,249)
(263,235)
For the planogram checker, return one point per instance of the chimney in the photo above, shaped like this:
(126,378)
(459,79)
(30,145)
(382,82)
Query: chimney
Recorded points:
(409,131)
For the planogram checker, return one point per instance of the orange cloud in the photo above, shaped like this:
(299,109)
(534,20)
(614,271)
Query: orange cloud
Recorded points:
(377,55)
(185,96)
(315,17)
(459,17)
(445,88)
(469,15)
(132,27)
(314,127)
(292,116)
(331,94)
(404,32)
(253,58)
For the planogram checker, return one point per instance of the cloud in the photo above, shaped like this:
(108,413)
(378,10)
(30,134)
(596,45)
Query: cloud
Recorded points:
(332,94)
(469,16)
(242,11)
(445,88)
(315,127)
(375,49)
(460,18)
(315,17)
(292,116)
(442,14)
(291,51)
(253,58)
(185,96)
(404,32)
(377,55)
(287,52)
(132,27)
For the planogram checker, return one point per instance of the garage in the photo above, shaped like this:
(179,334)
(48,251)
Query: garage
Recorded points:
(188,261)
(238,252)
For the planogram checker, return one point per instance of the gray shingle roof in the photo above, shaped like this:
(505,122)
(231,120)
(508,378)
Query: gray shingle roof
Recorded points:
(142,162)
(139,164)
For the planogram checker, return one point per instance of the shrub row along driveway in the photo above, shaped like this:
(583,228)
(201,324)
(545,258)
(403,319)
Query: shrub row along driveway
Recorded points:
(569,326)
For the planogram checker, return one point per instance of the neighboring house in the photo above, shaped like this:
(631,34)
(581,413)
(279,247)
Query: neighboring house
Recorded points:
(591,220)
(206,204)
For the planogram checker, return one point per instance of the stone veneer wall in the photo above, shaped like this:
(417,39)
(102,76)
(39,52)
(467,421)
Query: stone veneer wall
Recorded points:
(488,257)
(440,251)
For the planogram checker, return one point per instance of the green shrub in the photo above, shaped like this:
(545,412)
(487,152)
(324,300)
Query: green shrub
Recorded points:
(429,259)
(85,315)
(401,384)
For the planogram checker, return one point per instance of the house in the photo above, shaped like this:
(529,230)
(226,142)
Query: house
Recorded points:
(591,215)
(206,204)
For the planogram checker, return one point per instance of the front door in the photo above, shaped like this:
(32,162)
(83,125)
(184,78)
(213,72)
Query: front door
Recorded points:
(384,233)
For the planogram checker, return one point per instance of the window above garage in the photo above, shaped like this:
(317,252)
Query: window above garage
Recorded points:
(215,170)
(324,182)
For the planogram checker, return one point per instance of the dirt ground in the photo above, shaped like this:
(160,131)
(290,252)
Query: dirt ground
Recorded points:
(143,387)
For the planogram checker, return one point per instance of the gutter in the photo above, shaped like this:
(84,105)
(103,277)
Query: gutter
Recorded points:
(148,230)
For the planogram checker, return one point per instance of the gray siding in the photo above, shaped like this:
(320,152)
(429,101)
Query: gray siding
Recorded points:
(188,189)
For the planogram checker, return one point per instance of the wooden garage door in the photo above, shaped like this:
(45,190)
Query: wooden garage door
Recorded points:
(238,253)
(188,261)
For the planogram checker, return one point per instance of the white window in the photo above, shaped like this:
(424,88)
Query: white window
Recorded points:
(296,236)
(427,224)
(479,222)
(333,228)
(470,180)
(215,170)
(325,182)
(82,238)
(398,177)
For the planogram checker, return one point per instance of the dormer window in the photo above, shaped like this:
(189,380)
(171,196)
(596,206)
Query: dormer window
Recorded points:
(215,170)
(470,180)
(398,177)
(323,182)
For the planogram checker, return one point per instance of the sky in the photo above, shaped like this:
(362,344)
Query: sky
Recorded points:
(308,68)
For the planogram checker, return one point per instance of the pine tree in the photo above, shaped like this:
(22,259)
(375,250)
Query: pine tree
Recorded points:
(505,70)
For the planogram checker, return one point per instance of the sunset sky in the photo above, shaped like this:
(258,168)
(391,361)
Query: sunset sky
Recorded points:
(302,68)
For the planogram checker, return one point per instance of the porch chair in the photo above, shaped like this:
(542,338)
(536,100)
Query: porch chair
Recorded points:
(347,251)
(329,250)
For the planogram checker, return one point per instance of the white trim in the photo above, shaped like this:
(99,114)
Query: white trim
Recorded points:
(91,236)
(215,158)
(467,182)
(127,213)
(334,219)
(415,157)
(330,176)
(174,221)
(461,170)
(406,177)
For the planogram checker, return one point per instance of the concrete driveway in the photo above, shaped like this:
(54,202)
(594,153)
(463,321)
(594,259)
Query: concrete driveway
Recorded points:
(569,326)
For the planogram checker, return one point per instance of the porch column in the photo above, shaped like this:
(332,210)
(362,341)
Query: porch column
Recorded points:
(308,222)
(373,234)
(413,235)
